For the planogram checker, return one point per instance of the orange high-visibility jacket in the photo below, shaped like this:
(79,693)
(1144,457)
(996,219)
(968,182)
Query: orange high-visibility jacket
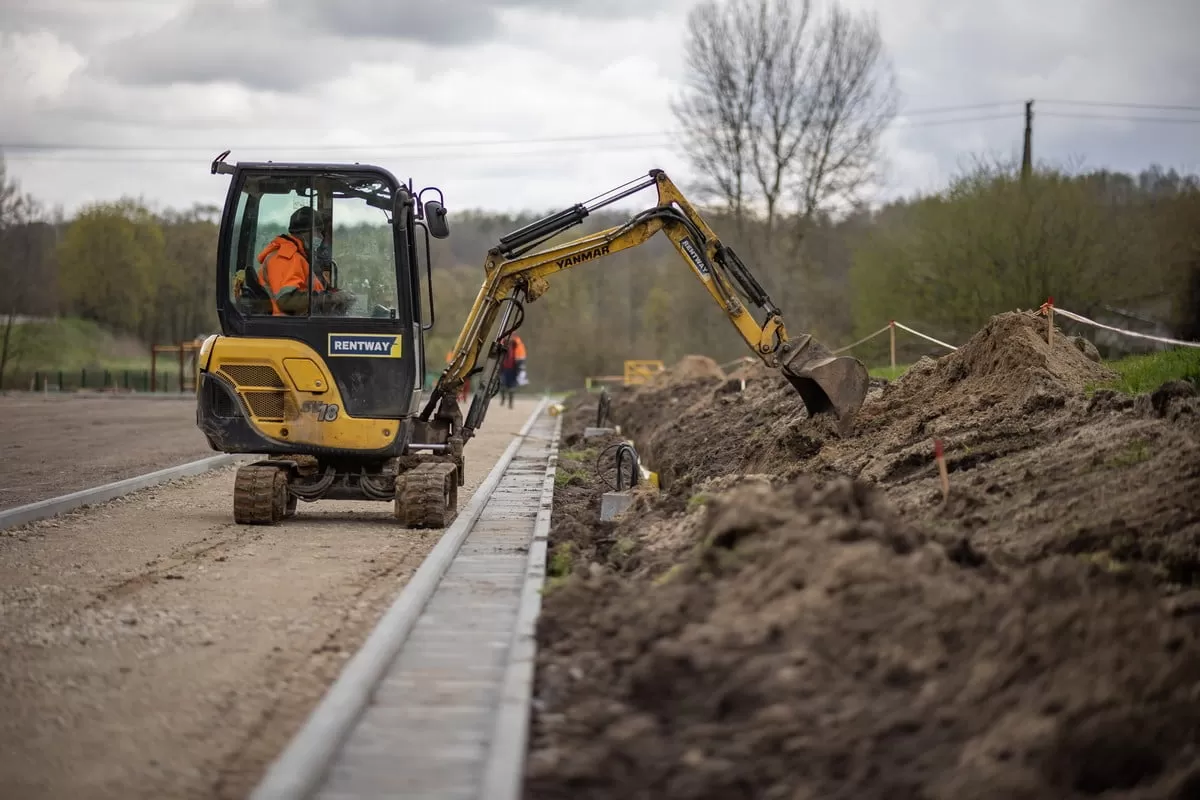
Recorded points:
(284,266)
(515,353)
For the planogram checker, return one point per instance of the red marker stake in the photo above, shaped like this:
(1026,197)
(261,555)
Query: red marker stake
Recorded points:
(941,462)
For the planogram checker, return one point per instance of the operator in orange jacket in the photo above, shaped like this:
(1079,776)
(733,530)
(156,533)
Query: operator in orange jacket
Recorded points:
(285,264)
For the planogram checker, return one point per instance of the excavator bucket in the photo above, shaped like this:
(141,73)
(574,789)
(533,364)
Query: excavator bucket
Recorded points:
(826,383)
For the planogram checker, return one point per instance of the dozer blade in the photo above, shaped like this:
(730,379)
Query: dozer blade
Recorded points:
(826,383)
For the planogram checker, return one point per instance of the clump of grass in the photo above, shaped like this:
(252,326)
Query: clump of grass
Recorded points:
(669,575)
(1135,452)
(559,566)
(1105,561)
(1145,373)
(888,373)
(622,549)
(562,559)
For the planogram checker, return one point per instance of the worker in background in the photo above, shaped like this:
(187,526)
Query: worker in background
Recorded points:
(285,265)
(512,367)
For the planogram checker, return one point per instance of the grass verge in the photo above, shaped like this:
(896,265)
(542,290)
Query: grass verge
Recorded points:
(1146,373)
(74,344)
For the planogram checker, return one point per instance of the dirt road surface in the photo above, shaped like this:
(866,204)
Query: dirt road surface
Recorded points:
(53,445)
(154,649)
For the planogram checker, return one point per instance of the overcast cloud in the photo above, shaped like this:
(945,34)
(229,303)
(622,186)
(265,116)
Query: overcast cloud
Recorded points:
(158,87)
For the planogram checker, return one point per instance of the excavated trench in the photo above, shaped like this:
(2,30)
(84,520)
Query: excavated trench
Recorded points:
(801,615)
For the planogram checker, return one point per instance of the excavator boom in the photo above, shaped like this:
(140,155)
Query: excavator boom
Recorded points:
(514,276)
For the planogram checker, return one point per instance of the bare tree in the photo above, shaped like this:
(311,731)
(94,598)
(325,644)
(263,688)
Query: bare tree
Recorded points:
(724,57)
(781,106)
(20,263)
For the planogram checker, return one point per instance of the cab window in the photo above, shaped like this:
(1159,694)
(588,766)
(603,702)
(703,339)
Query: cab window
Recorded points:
(313,245)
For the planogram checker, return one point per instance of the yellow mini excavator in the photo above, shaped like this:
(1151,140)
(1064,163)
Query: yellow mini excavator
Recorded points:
(320,363)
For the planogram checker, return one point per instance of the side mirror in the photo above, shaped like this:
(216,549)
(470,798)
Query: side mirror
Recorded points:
(435,218)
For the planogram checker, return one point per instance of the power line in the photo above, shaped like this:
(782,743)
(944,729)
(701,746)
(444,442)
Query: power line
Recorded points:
(617,142)
(1121,118)
(276,148)
(949,109)
(1107,104)
(1014,114)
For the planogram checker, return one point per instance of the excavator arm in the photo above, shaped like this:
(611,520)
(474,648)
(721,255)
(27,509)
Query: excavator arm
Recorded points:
(514,276)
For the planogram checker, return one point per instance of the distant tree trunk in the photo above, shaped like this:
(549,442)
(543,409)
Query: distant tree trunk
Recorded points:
(9,321)
(1190,327)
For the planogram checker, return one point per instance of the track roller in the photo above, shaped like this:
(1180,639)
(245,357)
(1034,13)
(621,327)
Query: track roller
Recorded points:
(427,495)
(260,495)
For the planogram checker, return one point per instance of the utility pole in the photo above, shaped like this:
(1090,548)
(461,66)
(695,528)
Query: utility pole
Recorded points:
(1027,155)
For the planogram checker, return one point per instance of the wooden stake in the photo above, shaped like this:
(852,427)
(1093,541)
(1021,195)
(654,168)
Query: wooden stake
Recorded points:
(941,462)
(1050,322)
(892,335)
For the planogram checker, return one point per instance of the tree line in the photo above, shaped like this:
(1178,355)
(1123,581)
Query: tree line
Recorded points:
(783,109)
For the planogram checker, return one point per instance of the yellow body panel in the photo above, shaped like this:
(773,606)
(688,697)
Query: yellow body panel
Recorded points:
(291,396)
(306,375)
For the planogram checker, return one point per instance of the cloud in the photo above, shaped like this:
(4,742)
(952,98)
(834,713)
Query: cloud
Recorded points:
(85,23)
(225,41)
(433,22)
(443,22)
(290,45)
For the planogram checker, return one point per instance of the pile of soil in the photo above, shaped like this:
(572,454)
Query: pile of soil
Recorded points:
(799,614)
(813,645)
(688,368)
(1038,464)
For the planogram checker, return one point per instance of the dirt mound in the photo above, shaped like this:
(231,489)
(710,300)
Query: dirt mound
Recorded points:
(799,614)
(688,368)
(1019,433)
(810,643)
(1006,367)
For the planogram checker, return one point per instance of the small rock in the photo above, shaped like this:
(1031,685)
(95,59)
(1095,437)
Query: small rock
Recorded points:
(1087,348)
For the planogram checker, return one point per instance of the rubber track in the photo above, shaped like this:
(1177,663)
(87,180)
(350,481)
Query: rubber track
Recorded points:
(255,491)
(421,496)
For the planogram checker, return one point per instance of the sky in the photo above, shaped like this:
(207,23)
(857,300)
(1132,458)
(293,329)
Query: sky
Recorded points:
(515,105)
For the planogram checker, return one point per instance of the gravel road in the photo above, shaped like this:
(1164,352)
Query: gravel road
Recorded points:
(152,648)
(52,445)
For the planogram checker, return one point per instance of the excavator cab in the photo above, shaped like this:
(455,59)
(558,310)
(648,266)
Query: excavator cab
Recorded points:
(315,259)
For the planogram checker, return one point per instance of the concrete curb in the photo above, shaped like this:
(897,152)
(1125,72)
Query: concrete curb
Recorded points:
(66,396)
(300,768)
(505,770)
(44,509)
